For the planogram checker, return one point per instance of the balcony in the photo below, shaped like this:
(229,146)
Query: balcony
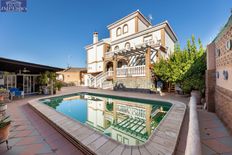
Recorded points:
(137,49)
(131,71)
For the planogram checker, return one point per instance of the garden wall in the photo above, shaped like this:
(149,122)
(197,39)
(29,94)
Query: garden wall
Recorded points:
(223,98)
(141,84)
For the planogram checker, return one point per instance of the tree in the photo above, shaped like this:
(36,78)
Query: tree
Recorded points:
(185,67)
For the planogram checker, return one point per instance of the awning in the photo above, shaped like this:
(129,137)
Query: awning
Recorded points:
(10,65)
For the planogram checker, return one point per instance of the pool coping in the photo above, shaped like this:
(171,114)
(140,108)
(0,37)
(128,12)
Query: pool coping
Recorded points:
(163,139)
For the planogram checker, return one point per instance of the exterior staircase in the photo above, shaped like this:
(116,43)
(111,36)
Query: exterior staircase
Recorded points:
(100,81)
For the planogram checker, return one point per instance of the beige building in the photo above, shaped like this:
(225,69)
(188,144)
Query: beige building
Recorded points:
(219,75)
(72,75)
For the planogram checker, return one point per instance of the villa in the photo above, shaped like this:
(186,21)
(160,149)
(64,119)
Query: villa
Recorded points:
(124,60)
(104,109)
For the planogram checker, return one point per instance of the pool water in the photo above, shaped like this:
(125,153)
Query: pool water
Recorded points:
(127,120)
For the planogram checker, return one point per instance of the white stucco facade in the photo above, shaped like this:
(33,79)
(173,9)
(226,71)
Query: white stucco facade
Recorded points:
(127,34)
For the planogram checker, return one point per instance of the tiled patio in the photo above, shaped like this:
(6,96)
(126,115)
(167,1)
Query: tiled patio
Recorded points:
(215,138)
(31,135)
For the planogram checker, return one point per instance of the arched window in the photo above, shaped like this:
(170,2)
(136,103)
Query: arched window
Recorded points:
(116,48)
(125,28)
(127,45)
(118,33)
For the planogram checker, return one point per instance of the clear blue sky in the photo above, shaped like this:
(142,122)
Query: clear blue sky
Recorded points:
(55,32)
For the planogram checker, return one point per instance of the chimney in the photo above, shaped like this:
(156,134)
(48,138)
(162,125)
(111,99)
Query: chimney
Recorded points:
(95,37)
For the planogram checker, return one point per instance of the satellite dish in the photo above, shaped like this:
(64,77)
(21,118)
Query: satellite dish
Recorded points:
(150,18)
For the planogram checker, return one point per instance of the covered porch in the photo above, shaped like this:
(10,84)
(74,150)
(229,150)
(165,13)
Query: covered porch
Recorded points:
(22,75)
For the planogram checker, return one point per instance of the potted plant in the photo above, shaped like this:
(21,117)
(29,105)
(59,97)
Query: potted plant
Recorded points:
(4,128)
(43,80)
(58,85)
(52,82)
(3,92)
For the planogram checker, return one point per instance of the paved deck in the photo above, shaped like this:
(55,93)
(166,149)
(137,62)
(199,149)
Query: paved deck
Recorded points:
(31,135)
(215,138)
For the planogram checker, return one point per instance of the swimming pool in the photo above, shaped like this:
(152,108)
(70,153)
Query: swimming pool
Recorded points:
(127,120)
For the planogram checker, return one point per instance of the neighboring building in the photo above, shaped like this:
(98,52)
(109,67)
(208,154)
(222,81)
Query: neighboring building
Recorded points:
(219,75)
(124,59)
(72,75)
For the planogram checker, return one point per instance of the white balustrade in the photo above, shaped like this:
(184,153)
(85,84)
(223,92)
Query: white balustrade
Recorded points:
(143,44)
(131,71)
(99,79)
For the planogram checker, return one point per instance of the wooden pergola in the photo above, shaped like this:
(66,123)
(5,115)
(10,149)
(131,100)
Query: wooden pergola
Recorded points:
(143,51)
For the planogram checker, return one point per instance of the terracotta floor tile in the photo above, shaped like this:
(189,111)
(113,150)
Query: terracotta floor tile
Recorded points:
(30,140)
(29,133)
(217,146)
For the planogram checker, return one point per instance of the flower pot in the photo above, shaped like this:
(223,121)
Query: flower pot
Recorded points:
(45,91)
(3,107)
(1,98)
(4,132)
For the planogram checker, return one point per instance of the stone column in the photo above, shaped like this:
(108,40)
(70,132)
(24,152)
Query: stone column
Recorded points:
(148,63)
(104,66)
(210,80)
(148,82)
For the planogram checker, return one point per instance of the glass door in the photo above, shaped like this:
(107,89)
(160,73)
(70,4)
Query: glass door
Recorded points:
(10,81)
(27,84)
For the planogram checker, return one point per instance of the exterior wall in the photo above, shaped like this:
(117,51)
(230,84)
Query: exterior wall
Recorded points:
(156,36)
(223,98)
(141,25)
(211,57)
(94,58)
(223,88)
(132,83)
(210,80)
(72,77)
(170,44)
(131,30)
(224,61)
(210,83)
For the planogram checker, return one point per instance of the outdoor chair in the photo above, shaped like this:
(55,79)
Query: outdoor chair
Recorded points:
(16,92)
